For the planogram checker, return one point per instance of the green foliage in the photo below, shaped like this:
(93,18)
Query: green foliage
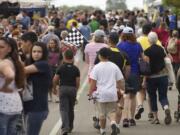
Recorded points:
(175,3)
(116,4)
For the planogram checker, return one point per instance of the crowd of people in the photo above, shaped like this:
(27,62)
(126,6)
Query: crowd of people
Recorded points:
(34,52)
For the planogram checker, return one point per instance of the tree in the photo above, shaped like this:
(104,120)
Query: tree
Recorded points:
(116,4)
(175,3)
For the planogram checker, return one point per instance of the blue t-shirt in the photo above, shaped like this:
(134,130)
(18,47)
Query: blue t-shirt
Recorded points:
(41,83)
(133,50)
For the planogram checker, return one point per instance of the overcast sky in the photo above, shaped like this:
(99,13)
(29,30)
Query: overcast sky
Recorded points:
(98,3)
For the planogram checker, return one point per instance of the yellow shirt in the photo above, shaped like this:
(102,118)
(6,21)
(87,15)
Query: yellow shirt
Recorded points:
(143,40)
(69,23)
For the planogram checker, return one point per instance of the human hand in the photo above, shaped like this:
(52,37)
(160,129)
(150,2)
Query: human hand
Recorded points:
(6,90)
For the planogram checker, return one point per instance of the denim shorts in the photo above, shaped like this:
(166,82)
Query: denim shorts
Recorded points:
(132,84)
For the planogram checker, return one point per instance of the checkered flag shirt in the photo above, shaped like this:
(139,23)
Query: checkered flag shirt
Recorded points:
(75,37)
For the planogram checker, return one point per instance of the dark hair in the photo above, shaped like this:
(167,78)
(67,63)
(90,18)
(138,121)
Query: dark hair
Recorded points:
(114,37)
(105,52)
(30,36)
(19,69)
(44,51)
(56,45)
(68,54)
(146,28)
(128,37)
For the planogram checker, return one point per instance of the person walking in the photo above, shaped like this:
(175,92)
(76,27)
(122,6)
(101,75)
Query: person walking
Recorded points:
(39,73)
(69,77)
(108,79)
(157,81)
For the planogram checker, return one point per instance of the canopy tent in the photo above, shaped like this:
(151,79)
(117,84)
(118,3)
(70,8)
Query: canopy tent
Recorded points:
(32,3)
(157,3)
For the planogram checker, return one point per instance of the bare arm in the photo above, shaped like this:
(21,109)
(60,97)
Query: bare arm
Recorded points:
(6,69)
(86,58)
(55,83)
(92,87)
(77,82)
(31,69)
(121,85)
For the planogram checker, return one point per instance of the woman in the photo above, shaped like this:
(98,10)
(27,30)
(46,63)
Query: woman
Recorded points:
(134,51)
(11,79)
(158,79)
(53,60)
(39,73)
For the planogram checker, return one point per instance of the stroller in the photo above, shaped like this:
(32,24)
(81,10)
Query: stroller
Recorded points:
(177,112)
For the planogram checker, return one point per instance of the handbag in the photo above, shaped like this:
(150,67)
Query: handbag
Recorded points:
(27,94)
(144,67)
(168,65)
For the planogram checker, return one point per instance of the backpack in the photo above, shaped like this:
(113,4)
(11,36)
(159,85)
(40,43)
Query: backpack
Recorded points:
(172,46)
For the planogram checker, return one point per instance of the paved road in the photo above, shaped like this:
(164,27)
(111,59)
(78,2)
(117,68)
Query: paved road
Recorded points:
(84,112)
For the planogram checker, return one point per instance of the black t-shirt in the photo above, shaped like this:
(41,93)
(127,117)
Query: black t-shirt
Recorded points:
(156,55)
(119,58)
(41,83)
(68,74)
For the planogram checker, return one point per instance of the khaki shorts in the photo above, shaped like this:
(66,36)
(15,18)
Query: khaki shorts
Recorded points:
(106,109)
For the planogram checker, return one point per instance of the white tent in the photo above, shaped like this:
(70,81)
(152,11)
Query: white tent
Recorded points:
(157,2)
(32,3)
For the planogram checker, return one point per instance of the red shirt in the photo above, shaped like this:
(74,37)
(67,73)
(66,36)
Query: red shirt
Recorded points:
(176,57)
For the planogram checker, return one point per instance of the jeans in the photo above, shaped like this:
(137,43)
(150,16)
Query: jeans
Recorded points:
(34,121)
(8,124)
(67,101)
(159,84)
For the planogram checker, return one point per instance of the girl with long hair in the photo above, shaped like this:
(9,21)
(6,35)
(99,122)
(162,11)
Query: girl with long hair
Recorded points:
(39,73)
(11,80)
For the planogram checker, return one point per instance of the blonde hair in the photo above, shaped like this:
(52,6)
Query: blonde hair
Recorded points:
(64,34)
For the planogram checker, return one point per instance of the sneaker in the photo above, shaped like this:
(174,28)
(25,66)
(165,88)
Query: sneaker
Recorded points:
(167,119)
(96,123)
(150,116)
(140,110)
(64,132)
(155,121)
(125,123)
(103,133)
(114,129)
(118,130)
(132,122)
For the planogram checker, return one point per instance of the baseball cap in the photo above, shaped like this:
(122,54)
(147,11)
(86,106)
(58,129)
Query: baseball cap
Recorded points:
(99,33)
(128,30)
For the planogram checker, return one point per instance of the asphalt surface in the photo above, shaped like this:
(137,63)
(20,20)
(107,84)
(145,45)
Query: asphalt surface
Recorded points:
(84,111)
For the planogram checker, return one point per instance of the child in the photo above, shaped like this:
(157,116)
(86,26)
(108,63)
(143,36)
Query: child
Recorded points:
(69,77)
(53,59)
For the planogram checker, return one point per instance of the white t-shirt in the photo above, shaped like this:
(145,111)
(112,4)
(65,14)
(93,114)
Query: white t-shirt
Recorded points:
(106,75)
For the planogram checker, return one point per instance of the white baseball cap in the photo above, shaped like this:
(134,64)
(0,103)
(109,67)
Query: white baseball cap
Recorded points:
(128,30)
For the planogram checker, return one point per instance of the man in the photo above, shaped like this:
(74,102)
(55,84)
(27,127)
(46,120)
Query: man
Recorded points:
(69,77)
(27,41)
(25,21)
(108,79)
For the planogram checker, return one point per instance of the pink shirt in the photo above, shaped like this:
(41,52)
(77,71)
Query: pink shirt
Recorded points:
(90,51)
